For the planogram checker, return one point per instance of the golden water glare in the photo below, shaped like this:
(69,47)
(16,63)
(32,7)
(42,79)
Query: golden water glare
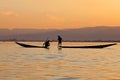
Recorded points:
(17,63)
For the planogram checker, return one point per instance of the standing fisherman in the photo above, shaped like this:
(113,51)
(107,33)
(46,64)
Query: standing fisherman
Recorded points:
(59,40)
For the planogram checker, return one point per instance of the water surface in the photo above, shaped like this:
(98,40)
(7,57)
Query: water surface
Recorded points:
(18,63)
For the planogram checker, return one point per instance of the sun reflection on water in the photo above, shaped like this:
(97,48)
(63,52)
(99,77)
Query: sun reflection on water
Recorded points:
(17,63)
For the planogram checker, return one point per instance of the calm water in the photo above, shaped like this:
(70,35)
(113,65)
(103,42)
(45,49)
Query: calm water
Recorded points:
(18,63)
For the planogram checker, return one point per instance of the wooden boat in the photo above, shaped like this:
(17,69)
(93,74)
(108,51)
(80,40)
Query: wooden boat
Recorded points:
(29,46)
(95,46)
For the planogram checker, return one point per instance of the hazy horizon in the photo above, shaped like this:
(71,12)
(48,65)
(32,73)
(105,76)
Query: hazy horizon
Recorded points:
(65,28)
(79,34)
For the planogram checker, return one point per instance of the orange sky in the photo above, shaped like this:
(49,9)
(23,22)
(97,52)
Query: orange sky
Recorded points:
(58,14)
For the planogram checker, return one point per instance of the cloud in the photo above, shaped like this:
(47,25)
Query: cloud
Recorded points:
(56,18)
(8,13)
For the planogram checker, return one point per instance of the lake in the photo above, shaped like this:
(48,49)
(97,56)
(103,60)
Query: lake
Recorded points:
(18,63)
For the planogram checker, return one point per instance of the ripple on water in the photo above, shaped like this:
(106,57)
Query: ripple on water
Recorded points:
(18,63)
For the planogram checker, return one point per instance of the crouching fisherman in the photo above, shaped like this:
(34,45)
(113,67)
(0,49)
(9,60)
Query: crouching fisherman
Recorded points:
(46,43)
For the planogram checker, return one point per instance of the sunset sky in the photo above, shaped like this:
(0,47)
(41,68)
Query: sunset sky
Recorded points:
(58,14)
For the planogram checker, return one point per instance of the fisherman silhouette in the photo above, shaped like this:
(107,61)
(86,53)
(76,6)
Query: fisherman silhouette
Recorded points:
(59,40)
(47,43)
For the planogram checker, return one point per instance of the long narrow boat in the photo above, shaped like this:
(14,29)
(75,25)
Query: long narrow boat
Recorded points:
(29,46)
(94,46)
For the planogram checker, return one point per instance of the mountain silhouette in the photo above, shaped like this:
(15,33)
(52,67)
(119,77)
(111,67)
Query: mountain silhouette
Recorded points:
(81,34)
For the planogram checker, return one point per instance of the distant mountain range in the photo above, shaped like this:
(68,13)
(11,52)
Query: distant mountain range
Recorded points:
(80,34)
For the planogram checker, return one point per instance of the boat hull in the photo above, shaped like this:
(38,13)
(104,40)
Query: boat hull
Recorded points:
(29,46)
(96,46)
